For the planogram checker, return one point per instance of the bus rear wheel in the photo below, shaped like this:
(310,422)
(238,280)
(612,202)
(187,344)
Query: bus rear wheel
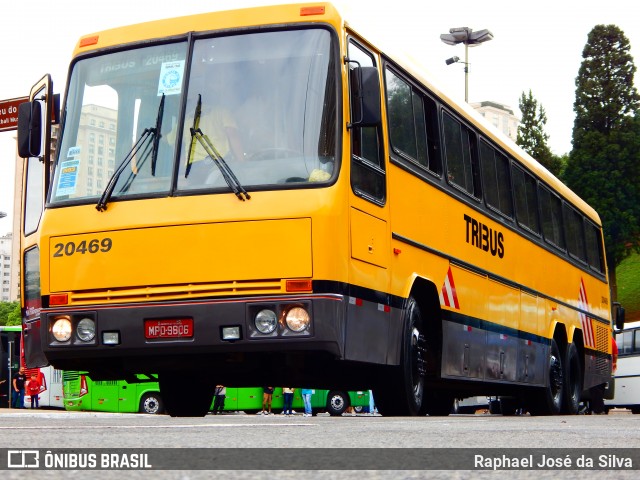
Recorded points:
(402,391)
(548,400)
(151,403)
(186,395)
(572,380)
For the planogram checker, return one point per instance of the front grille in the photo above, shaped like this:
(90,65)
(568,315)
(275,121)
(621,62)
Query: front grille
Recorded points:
(177,292)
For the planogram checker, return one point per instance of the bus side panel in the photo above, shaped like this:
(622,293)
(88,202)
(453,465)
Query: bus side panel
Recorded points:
(129,396)
(244,399)
(530,352)
(463,350)
(104,395)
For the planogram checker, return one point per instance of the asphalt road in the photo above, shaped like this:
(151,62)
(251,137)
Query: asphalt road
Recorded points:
(336,447)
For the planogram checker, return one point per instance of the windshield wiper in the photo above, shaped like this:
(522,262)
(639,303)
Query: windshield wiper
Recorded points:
(214,154)
(156,137)
(143,141)
(196,125)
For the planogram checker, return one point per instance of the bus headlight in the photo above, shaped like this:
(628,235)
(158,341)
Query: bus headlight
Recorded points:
(86,330)
(266,321)
(297,319)
(61,329)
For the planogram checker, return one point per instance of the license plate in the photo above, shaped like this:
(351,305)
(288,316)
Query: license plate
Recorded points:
(169,328)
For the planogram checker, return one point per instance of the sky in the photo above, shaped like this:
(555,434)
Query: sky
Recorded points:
(537,46)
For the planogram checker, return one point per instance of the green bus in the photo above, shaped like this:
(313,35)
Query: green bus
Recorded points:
(143,395)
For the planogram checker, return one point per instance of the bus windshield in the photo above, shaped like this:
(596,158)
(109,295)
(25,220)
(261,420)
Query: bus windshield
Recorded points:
(264,104)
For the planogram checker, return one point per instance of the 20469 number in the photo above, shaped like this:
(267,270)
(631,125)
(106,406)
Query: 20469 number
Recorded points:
(91,246)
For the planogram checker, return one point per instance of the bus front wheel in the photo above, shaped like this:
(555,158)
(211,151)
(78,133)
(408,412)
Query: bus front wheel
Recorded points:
(402,391)
(186,394)
(337,403)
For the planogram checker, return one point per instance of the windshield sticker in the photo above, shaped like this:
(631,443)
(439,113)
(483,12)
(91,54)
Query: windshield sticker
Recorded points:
(171,76)
(68,178)
(73,152)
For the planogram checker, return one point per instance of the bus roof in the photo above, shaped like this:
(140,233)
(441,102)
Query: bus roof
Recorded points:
(327,13)
(213,21)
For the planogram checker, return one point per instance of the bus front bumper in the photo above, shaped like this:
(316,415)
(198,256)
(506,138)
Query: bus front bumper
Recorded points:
(166,331)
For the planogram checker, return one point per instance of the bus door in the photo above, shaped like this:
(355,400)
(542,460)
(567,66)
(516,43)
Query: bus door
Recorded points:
(369,317)
(34,146)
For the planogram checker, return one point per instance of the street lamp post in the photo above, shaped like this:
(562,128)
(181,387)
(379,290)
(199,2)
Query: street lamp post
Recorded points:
(470,39)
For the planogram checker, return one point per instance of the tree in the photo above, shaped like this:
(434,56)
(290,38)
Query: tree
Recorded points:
(10,313)
(604,165)
(532,137)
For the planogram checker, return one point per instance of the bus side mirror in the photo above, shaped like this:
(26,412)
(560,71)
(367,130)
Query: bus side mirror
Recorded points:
(365,97)
(618,313)
(29,129)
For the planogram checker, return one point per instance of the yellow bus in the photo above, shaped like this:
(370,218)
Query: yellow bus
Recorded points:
(266,196)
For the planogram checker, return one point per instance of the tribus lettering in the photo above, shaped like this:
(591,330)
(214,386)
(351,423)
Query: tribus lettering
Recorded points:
(484,238)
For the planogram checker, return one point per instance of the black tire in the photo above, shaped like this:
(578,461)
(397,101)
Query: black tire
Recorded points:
(151,403)
(438,404)
(337,403)
(508,407)
(635,411)
(596,402)
(572,381)
(401,392)
(548,400)
(186,395)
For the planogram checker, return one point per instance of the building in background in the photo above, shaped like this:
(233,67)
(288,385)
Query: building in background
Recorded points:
(9,287)
(500,116)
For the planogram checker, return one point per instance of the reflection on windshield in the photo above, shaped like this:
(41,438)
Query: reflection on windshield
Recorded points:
(268,105)
(112,99)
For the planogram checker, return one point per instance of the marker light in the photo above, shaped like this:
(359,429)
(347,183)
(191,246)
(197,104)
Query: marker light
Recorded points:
(231,333)
(61,329)
(111,338)
(266,321)
(297,319)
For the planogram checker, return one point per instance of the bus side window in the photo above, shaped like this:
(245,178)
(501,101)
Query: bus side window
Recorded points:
(574,232)
(413,123)
(460,154)
(594,247)
(525,190)
(496,180)
(551,212)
